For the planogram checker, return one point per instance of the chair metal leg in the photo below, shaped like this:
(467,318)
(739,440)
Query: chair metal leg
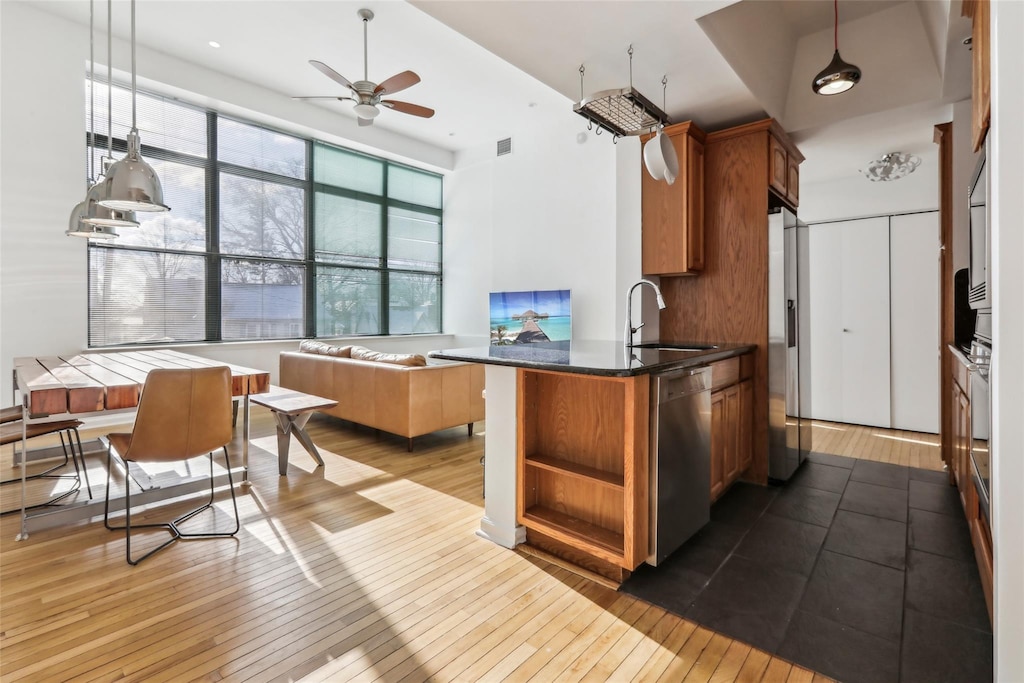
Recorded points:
(172,526)
(81,458)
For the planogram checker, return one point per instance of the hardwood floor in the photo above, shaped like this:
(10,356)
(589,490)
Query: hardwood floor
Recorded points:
(897,446)
(367,569)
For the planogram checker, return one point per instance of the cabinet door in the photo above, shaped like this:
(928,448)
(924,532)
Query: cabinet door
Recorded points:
(914,312)
(849,321)
(981,94)
(864,303)
(824,324)
(793,181)
(778,165)
(746,426)
(719,439)
(732,434)
(673,215)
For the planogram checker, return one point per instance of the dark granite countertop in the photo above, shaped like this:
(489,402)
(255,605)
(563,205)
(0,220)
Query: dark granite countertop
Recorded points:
(606,358)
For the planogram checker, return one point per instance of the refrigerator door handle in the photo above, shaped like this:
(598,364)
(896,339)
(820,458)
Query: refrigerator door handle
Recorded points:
(791,339)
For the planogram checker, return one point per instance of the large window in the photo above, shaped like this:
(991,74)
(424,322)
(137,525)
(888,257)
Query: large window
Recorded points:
(270,236)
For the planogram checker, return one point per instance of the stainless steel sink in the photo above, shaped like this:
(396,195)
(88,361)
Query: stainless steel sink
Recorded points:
(668,346)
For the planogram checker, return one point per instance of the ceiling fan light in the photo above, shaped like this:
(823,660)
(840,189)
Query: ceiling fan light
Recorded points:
(837,77)
(366,111)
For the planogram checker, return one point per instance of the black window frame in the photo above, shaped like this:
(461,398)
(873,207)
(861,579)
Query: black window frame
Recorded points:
(214,258)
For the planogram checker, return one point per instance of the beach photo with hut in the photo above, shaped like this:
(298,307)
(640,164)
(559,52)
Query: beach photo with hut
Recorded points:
(530,317)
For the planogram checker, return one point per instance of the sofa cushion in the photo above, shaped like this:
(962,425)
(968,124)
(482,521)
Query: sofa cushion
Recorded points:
(324,349)
(412,360)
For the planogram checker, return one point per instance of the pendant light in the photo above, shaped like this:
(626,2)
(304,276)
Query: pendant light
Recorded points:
(88,218)
(131,184)
(838,76)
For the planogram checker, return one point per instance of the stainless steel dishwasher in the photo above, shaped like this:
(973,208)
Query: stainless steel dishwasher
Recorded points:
(680,493)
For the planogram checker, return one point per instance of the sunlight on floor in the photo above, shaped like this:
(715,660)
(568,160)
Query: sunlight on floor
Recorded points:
(903,438)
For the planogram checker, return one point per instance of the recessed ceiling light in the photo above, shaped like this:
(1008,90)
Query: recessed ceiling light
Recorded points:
(213,43)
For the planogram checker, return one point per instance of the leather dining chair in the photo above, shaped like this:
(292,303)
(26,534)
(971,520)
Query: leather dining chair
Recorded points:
(182,414)
(11,433)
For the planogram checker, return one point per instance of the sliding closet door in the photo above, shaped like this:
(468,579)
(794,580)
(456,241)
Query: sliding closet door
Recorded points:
(914,242)
(849,321)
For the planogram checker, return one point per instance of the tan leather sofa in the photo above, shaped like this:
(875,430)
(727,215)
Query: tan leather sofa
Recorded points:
(403,400)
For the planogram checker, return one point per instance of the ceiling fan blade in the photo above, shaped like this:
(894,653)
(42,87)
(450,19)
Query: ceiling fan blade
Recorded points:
(322,97)
(401,81)
(365,122)
(330,73)
(408,108)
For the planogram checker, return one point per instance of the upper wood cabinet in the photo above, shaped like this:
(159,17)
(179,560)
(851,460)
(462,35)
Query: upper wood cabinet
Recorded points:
(673,215)
(784,167)
(981,93)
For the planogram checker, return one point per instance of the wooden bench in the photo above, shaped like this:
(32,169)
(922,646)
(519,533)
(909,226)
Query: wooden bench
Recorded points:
(292,410)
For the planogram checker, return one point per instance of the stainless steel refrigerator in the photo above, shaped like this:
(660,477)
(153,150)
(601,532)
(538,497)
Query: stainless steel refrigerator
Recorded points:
(789,436)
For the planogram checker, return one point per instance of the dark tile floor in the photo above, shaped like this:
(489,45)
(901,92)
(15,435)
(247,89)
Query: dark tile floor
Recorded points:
(860,570)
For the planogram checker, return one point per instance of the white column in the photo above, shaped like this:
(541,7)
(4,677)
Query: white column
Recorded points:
(499,521)
(1006,144)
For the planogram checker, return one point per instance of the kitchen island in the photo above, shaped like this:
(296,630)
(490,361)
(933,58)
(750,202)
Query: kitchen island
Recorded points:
(567,443)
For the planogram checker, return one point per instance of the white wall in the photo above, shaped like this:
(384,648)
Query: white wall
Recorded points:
(546,216)
(861,198)
(1007,149)
(43,295)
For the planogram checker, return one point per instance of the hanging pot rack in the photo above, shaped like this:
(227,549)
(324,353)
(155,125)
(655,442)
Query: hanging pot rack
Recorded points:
(623,111)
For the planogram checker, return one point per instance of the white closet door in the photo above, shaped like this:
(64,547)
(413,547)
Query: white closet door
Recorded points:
(820,298)
(914,269)
(865,322)
(847,299)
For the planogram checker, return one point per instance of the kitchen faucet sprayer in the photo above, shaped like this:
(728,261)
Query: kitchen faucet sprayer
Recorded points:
(630,330)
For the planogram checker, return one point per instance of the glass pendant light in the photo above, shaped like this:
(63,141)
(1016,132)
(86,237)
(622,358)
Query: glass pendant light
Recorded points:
(131,184)
(838,76)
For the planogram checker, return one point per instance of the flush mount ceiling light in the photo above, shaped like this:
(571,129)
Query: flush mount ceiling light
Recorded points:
(892,166)
(838,76)
(131,184)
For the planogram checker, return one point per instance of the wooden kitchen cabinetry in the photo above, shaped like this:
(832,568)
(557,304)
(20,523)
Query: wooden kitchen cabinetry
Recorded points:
(583,463)
(729,301)
(731,422)
(784,168)
(981,90)
(673,215)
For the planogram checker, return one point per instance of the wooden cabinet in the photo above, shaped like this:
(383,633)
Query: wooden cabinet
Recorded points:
(731,422)
(784,170)
(673,215)
(582,460)
(729,301)
(981,90)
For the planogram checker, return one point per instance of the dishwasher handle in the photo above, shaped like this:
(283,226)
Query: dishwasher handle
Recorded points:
(682,383)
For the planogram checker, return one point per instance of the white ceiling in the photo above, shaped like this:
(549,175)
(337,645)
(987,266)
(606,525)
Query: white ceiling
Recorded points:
(483,63)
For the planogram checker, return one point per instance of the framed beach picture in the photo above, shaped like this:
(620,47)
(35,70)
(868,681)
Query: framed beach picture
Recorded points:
(531,317)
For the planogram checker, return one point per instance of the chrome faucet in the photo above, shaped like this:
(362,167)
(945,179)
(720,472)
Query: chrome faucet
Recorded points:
(630,330)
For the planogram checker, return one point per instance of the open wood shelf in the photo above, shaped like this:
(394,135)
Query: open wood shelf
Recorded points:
(581,470)
(576,471)
(583,533)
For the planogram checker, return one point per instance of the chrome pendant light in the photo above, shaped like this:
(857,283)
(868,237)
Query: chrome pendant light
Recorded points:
(131,184)
(88,218)
(838,76)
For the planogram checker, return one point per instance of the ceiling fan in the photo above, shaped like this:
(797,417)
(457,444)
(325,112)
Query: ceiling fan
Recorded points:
(368,95)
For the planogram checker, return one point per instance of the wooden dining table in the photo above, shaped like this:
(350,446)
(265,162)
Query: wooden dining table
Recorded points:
(89,384)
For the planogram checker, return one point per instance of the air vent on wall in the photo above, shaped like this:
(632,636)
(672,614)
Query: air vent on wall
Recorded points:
(504,146)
